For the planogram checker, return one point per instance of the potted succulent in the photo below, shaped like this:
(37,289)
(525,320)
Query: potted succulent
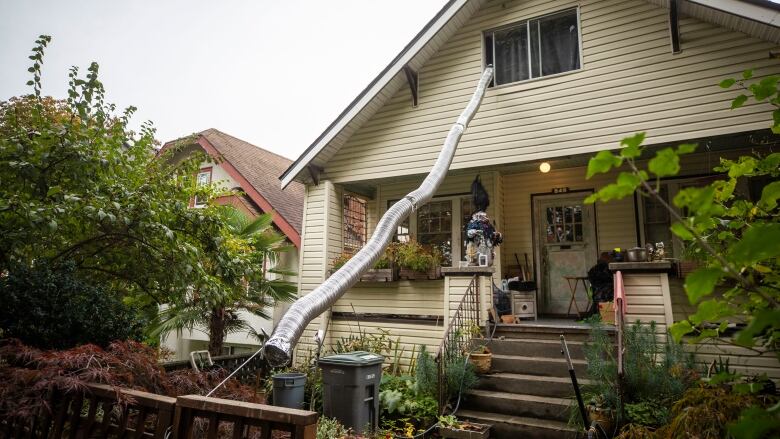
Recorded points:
(416,261)
(451,427)
(383,271)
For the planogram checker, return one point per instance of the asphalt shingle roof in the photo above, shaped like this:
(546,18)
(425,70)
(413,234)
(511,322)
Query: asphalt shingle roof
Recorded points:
(262,168)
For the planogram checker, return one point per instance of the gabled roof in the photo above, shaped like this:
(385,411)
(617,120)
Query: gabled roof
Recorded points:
(757,18)
(255,169)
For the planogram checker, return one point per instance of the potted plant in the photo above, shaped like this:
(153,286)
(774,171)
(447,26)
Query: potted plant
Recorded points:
(451,427)
(383,270)
(417,262)
(480,356)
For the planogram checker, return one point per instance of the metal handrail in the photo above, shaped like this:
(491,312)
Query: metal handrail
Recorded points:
(457,337)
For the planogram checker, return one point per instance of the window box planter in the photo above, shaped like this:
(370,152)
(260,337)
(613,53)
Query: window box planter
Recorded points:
(466,430)
(379,275)
(408,274)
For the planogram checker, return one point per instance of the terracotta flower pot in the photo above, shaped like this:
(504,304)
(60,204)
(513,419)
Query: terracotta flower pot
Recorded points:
(481,362)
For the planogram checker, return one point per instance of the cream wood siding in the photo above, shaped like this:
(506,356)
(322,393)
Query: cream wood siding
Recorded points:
(741,360)
(647,297)
(630,82)
(312,258)
(419,297)
(406,337)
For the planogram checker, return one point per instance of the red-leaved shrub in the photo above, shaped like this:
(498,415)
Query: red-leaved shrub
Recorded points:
(28,376)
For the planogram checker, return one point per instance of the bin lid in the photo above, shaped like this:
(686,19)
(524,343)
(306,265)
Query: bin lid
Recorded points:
(357,358)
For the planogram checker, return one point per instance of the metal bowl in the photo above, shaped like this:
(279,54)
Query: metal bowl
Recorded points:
(636,254)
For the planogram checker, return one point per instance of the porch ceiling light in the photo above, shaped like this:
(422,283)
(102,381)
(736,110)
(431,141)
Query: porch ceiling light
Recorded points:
(544,167)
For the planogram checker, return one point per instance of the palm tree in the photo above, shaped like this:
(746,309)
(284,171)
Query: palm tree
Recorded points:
(217,304)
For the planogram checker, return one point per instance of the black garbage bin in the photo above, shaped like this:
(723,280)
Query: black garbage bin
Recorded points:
(350,385)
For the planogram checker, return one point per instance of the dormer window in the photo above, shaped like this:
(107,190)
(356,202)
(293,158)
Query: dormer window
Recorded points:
(534,48)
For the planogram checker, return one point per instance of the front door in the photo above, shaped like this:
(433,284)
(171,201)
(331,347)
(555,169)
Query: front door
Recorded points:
(565,233)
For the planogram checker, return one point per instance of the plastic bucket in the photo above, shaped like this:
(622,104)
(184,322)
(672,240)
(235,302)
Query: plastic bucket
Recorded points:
(289,390)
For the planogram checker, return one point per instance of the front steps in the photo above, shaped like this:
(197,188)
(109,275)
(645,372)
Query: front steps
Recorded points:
(528,392)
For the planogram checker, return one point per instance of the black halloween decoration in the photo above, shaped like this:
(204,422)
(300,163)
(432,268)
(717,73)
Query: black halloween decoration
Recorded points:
(479,195)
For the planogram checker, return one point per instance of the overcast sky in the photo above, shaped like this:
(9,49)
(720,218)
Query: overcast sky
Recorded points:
(274,73)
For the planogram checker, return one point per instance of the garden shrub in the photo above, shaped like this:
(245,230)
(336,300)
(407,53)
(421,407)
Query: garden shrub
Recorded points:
(655,375)
(29,375)
(52,308)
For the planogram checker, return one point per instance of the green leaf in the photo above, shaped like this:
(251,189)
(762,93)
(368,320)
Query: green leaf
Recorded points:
(758,243)
(765,318)
(632,145)
(755,422)
(738,101)
(686,148)
(770,195)
(747,74)
(666,163)
(701,283)
(711,311)
(680,329)
(698,200)
(679,229)
(727,83)
(602,163)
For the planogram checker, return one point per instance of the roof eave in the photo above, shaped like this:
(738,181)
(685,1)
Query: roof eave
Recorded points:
(388,73)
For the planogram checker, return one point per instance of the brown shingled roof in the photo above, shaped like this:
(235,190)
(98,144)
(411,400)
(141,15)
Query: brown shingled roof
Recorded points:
(261,168)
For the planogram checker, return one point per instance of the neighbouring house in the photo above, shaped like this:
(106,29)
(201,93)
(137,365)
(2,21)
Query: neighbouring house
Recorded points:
(249,173)
(571,78)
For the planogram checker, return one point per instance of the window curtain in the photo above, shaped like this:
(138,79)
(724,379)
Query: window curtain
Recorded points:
(511,58)
(559,43)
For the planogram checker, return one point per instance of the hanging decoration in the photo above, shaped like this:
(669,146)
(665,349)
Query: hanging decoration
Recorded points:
(481,234)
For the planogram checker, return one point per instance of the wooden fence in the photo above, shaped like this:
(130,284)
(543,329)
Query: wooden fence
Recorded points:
(105,412)
(249,374)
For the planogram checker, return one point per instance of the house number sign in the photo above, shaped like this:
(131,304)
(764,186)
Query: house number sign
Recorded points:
(560,190)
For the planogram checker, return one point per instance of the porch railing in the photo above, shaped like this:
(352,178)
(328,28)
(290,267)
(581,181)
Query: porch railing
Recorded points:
(456,342)
(101,411)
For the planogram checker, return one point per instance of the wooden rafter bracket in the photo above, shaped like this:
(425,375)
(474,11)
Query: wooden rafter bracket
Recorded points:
(412,80)
(674,25)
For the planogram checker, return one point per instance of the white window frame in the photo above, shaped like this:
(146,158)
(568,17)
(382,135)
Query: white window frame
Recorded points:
(203,171)
(526,21)
(457,223)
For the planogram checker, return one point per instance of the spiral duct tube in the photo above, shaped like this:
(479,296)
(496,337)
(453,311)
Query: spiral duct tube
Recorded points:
(278,349)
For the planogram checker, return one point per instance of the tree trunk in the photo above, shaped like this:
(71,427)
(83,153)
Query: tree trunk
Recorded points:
(217,331)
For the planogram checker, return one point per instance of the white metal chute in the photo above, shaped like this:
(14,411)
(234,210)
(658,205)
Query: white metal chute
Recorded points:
(278,349)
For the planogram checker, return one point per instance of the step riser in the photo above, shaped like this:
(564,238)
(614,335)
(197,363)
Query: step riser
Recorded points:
(536,367)
(533,409)
(556,336)
(502,430)
(525,386)
(529,348)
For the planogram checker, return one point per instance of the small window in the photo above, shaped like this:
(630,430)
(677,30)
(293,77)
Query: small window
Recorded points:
(354,227)
(203,179)
(434,228)
(534,48)
(402,231)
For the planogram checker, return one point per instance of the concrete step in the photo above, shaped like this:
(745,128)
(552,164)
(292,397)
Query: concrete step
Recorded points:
(572,331)
(556,387)
(540,366)
(514,427)
(515,404)
(535,347)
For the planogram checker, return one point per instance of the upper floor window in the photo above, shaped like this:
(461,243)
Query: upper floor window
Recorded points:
(355,224)
(203,178)
(534,48)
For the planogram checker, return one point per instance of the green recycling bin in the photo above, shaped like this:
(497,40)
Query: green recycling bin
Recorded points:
(351,389)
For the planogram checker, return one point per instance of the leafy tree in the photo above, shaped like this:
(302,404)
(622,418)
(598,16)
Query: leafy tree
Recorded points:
(53,309)
(219,309)
(736,239)
(79,189)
